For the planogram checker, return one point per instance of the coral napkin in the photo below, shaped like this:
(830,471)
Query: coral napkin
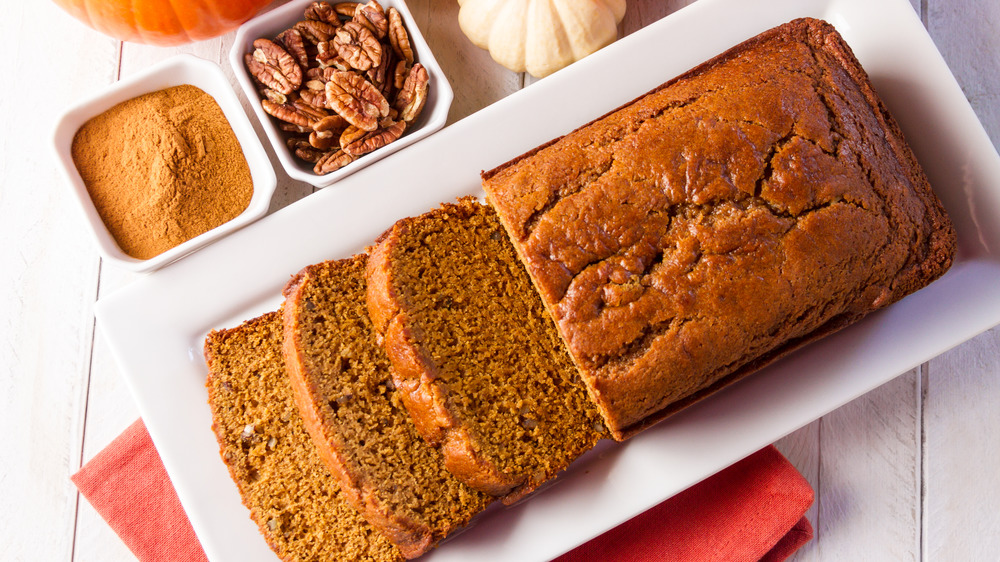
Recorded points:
(750,511)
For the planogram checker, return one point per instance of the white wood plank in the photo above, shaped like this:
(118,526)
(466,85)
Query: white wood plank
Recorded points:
(963,452)
(641,14)
(110,409)
(802,449)
(866,474)
(48,275)
(967,32)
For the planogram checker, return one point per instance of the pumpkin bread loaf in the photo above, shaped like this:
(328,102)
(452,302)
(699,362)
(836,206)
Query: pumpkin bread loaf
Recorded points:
(757,202)
(476,358)
(291,495)
(341,380)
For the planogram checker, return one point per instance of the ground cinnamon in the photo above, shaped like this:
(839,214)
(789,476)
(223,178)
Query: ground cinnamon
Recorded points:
(162,168)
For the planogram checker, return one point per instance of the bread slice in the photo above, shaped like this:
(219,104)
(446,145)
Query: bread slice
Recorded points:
(341,380)
(760,201)
(292,497)
(476,358)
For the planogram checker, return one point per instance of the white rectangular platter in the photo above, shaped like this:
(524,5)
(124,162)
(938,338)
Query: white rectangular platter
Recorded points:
(156,326)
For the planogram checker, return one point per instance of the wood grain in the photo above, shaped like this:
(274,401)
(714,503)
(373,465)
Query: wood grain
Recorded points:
(909,478)
(48,279)
(866,475)
(955,25)
(962,452)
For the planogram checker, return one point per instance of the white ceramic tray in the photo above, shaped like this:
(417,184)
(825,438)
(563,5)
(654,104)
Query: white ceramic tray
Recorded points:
(156,326)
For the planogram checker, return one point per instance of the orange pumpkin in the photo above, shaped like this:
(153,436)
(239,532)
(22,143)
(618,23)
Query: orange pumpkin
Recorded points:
(163,22)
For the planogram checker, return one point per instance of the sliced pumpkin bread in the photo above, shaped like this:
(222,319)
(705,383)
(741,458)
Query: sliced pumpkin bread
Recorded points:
(476,358)
(341,380)
(298,506)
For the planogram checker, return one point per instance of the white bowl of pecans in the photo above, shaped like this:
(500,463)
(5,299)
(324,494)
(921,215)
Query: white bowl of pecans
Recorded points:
(339,85)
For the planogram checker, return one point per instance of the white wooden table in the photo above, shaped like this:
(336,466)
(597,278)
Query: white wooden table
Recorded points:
(910,471)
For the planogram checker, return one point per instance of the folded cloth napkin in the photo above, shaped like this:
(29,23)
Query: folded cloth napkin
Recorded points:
(128,486)
(750,511)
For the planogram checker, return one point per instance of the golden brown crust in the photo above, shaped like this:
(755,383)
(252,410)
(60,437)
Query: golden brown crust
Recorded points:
(757,202)
(411,537)
(342,383)
(381,299)
(415,376)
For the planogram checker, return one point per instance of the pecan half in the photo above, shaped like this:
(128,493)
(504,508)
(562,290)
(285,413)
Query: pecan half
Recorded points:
(322,11)
(327,55)
(313,111)
(412,97)
(294,142)
(331,123)
(398,37)
(304,150)
(315,31)
(320,74)
(273,67)
(315,98)
(356,100)
(291,40)
(372,16)
(399,76)
(292,128)
(382,76)
(288,113)
(274,95)
(376,139)
(346,9)
(324,141)
(351,134)
(310,154)
(356,44)
(332,161)
(314,84)
(326,132)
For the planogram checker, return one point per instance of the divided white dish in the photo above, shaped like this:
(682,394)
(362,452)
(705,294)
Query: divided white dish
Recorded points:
(156,326)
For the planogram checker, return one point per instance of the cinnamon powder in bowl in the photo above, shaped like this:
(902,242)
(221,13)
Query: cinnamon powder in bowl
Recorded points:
(162,168)
(163,163)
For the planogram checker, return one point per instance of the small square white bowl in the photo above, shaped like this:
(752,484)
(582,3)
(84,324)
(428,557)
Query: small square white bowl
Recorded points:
(432,118)
(176,71)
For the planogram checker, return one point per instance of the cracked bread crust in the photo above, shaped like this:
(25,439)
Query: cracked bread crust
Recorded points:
(753,204)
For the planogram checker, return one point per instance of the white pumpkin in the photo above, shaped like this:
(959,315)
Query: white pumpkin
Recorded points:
(540,36)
